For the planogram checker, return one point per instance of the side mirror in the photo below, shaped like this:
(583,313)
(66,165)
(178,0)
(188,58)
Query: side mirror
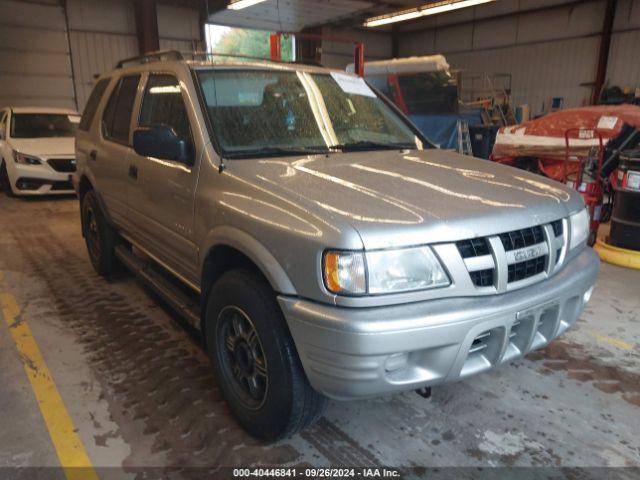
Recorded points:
(161,141)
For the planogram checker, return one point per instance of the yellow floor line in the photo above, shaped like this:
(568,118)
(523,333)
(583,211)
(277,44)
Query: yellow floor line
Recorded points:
(71,453)
(622,345)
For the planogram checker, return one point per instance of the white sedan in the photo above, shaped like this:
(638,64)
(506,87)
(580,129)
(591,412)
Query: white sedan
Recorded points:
(37,150)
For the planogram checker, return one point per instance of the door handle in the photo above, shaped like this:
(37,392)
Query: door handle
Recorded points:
(133,172)
(93,155)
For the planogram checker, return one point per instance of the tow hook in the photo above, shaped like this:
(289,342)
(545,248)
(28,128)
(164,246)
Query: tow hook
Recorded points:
(424,392)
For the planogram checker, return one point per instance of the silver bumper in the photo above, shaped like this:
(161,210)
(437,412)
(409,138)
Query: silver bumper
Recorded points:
(360,352)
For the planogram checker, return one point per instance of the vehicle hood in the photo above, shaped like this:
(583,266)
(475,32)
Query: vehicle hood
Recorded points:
(395,198)
(44,146)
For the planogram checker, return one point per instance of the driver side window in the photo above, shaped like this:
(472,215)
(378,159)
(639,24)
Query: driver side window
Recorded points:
(163,105)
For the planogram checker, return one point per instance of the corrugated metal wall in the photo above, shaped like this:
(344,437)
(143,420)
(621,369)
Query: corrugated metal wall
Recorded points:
(624,64)
(101,33)
(35,68)
(179,28)
(47,59)
(549,53)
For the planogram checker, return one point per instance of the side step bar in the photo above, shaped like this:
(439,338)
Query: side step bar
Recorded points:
(186,307)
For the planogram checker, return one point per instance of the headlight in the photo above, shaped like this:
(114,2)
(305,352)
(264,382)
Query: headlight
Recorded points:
(25,159)
(387,271)
(579,225)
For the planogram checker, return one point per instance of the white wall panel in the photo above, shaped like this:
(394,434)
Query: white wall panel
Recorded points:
(178,23)
(113,16)
(179,28)
(577,20)
(419,42)
(549,53)
(540,71)
(453,39)
(624,68)
(497,32)
(95,53)
(35,67)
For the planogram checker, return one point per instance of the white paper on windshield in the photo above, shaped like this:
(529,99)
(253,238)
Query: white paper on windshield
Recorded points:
(607,123)
(352,84)
(73,118)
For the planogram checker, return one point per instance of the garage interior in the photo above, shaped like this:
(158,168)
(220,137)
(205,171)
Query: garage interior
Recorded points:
(132,378)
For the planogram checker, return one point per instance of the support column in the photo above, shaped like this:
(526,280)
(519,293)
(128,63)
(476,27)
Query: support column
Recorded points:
(603,54)
(395,41)
(146,15)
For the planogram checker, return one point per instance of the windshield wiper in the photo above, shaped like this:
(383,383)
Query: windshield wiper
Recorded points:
(364,145)
(276,151)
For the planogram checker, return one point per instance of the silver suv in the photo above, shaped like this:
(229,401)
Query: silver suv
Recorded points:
(322,245)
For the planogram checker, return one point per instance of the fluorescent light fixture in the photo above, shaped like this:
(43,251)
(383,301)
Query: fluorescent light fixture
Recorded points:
(240,4)
(165,89)
(424,11)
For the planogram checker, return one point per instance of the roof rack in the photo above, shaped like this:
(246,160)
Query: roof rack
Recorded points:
(163,55)
(157,56)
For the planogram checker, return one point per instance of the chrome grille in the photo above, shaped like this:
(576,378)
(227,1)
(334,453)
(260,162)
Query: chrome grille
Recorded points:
(514,259)
(476,247)
(522,270)
(522,238)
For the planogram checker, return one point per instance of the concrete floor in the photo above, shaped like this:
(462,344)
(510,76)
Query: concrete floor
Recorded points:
(141,393)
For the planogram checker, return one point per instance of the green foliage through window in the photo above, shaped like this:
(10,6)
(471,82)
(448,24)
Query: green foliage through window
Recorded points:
(241,41)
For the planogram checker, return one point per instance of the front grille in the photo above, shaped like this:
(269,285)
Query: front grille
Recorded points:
(476,247)
(482,278)
(67,165)
(522,238)
(557,228)
(528,253)
(523,270)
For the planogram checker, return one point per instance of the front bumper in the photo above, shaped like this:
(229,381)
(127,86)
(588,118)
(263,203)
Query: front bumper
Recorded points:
(360,352)
(40,180)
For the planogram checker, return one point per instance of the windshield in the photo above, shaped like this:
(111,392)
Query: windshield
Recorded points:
(272,113)
(40,125)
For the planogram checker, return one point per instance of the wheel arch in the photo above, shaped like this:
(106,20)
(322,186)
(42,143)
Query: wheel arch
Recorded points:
(230,248)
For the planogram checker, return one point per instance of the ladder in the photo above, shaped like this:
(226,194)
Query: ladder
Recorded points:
(464,138)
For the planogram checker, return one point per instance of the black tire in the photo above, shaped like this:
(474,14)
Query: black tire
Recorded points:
(5,183)
(100,237)
(281,402)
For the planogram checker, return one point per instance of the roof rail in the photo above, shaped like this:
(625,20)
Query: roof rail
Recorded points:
(152,57)
(207,55)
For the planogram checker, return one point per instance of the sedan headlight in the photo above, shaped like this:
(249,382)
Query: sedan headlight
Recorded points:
(24,159)
(579,226)
(383,271)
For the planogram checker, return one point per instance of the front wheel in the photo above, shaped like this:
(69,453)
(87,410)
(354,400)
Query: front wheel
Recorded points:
(255,360)
(5,182)
(100,237)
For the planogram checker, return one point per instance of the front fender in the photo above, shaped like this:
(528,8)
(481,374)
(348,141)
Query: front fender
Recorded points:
(254,250)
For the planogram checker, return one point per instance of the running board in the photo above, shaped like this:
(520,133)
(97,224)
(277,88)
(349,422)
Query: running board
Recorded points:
(146,271)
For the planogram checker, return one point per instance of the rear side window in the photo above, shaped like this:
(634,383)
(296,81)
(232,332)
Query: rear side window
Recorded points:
(92,104)
(163,105)
(117,115)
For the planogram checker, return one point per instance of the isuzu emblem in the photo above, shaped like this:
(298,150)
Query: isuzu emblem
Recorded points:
(527,254)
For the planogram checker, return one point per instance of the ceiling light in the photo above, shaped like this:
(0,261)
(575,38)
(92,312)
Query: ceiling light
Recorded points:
(424,11)
(240,4)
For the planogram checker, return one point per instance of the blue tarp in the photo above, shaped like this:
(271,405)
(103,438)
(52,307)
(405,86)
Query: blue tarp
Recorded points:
(442,129)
